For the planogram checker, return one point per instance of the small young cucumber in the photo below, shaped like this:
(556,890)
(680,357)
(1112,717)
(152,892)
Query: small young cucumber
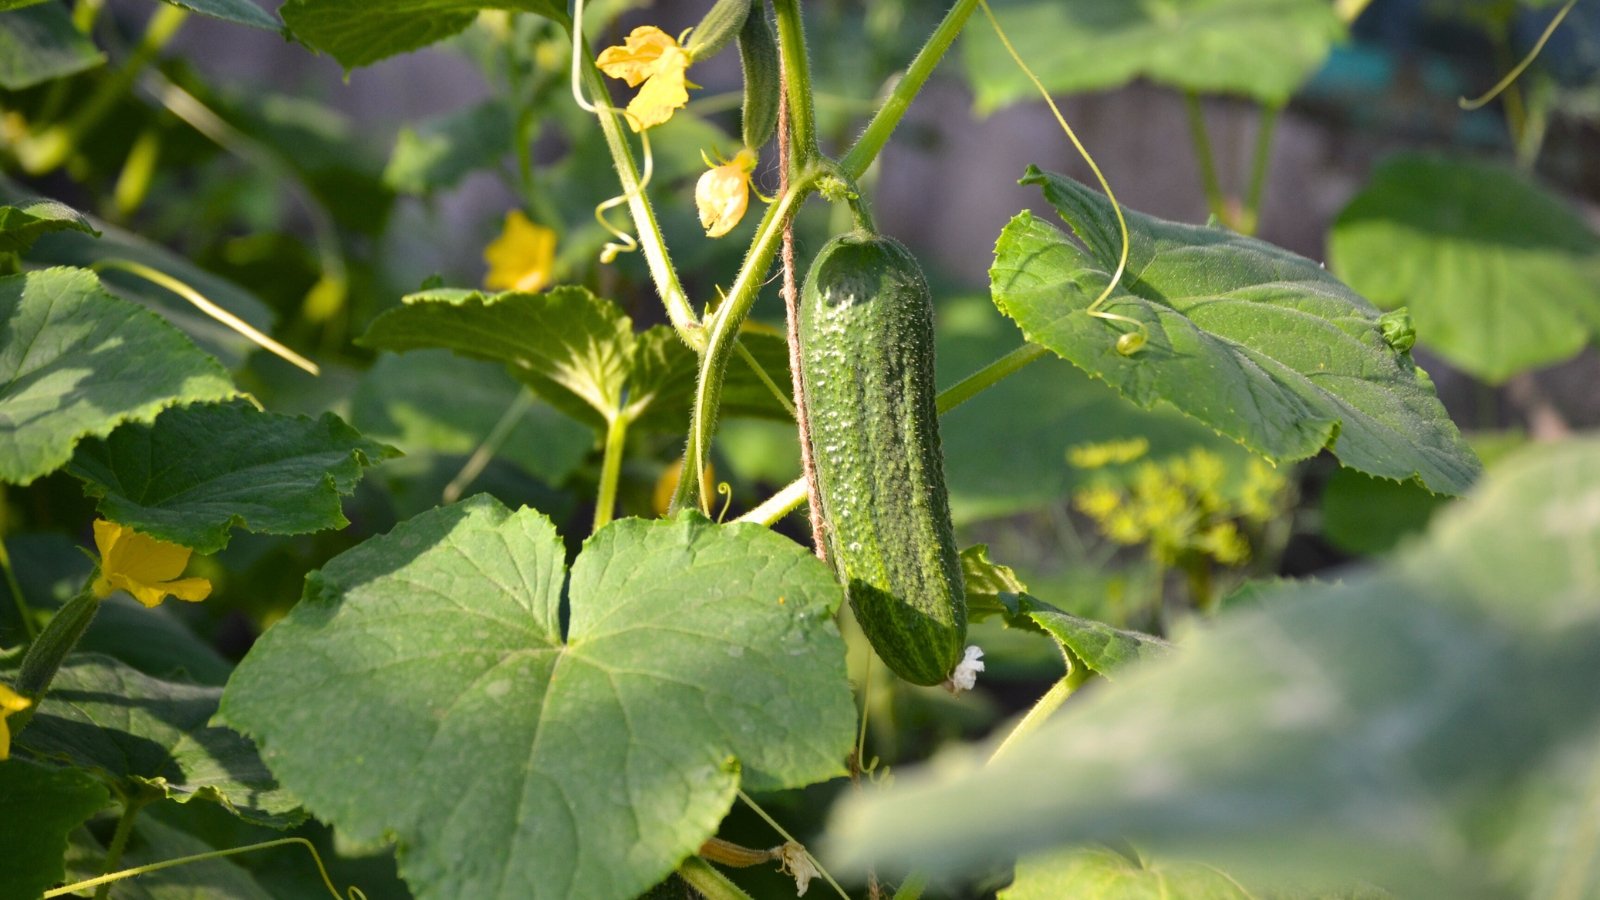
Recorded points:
(866,332)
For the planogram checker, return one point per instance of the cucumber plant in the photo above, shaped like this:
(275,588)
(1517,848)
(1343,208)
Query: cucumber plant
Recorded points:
(498,593)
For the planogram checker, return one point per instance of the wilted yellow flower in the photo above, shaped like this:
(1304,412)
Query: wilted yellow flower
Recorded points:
(653,58)
(10,702)
(145,567)
(723,193)
(522,257)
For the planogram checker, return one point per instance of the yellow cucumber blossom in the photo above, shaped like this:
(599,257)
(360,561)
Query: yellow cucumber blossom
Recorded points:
(146,568)
(653,58)
(723,192)
(10,702)
(522,258)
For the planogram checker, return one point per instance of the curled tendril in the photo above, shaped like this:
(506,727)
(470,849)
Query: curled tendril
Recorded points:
(352,893)
(1127,344)
(725,491)
(624,242)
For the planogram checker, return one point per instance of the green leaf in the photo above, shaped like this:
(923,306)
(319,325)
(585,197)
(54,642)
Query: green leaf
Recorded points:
(437,154)
(698,658)
(200,471)
(1256,342)
(432,402)
(1370,516)
(76,362)
(1097,873)
(240,12)
(1099,646)
(1263,49)
(577,351)
(991,588)
(147,734)
(1371,730)
(40,43)
(1042,412)
(1500,275)
(38,809)
(359,33)
(22,223)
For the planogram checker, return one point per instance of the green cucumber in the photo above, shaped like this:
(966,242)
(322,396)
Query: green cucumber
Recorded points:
(866,336)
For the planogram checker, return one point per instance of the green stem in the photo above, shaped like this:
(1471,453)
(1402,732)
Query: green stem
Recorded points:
(1259,167)
(49,149)
(797,81)
(29,627)
(611,469)
(1202,151)
(989,376)
(479,460)
(679,310)
(119,843)
(793,495)
(1042,710)
(710,883)
(867,147)
(725,331)
(49,650)
(1201,593)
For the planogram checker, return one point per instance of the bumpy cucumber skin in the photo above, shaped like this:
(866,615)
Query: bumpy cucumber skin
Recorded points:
(866,328)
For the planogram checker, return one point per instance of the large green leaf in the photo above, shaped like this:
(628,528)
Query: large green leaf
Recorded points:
(1500,276)
(1261,48)
(1098,873)
(200,471)
(38,808)
(147,734)
(1260,344)
(359,32)
(1101,647)
(698,658)
(579,352)
(41,43)
(23,222)
(1372,730)
(76,362)
(240,12)
(1039,414)
(432,402)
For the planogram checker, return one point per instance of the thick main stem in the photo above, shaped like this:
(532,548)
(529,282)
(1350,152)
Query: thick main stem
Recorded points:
(867,147)
(725,331)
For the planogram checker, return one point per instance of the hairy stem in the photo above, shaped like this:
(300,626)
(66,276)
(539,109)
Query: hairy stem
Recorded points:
(119,843)
(679,311)
(1044,708)
(802,147)
(611,469)
(867,147)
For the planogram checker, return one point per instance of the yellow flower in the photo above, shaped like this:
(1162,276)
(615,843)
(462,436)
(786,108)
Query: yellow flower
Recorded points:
(723,193)
(522,257)
(143,566)
(653,58)
(10,702)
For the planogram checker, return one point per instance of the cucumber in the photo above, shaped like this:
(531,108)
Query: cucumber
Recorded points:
(866,336)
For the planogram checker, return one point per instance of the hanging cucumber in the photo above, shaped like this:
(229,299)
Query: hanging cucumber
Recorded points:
(866,331)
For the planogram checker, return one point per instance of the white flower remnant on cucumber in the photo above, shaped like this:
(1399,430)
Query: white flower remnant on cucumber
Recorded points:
(966,672)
